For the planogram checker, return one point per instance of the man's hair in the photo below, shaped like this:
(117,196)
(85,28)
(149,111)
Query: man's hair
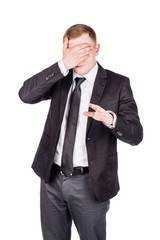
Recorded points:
(77,30)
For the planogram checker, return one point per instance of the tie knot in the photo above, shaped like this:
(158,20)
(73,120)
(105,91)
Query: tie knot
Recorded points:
(79,81)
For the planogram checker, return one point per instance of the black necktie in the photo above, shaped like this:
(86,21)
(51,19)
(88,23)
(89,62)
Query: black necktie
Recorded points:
(69,139)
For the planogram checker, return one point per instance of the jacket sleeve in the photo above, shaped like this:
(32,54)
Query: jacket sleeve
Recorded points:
(128,127)
(38,87)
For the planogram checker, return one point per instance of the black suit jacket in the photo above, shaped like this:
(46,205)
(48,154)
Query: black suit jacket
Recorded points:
(112,92)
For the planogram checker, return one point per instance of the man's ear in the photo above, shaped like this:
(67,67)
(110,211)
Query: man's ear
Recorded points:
(97,49)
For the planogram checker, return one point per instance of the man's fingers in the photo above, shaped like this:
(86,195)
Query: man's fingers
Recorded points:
(73,56)
(93,106)
(96,107)
(88,114)
(82,46)
(85,51)
(83,58)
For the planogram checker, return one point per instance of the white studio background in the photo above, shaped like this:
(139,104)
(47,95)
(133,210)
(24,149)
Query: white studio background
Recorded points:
(31,40)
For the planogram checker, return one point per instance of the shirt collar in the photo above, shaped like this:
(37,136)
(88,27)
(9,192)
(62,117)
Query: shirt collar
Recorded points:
(90,76)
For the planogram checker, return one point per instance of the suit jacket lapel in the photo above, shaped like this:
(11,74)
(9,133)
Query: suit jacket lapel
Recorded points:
(99,85)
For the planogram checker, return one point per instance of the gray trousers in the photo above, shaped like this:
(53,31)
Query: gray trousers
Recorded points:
(64,199)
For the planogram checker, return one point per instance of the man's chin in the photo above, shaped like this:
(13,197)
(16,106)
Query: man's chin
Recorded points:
(80,70)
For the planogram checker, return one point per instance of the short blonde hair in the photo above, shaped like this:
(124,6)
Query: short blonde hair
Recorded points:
(77,30)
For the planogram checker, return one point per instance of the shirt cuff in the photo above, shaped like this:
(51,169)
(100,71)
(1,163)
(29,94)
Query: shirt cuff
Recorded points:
(114,120)
(62,67)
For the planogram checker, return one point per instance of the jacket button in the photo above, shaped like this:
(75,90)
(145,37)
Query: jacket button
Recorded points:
(88,139)
(49,76)
(92,162)
(119,133)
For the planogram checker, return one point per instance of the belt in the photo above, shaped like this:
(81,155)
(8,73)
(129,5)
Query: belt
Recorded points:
(76,170)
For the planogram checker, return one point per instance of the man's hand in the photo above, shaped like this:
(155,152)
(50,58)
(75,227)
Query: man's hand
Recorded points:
(73,56)
(100,114)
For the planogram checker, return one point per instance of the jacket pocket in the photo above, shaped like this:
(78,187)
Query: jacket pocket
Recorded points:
(109,172)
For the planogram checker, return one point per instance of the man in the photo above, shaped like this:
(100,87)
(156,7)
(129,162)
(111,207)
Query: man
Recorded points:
(77,156)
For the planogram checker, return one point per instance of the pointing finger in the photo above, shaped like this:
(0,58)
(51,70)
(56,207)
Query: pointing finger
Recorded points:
(96,107)
(93,106)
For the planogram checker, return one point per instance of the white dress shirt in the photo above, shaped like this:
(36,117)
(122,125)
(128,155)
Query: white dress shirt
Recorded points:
(80,151)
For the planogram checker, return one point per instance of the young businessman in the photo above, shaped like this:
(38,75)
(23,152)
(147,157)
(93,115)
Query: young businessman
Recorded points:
(77,156)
